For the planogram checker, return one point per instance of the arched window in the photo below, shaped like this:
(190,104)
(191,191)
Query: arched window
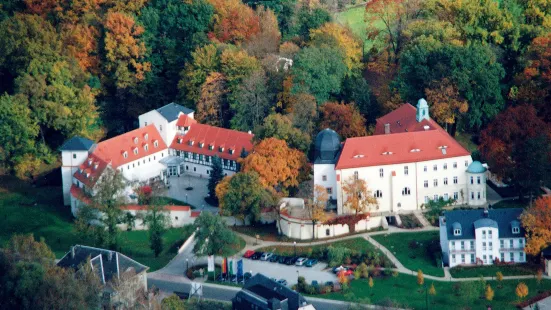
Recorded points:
(406,191)
(378,194)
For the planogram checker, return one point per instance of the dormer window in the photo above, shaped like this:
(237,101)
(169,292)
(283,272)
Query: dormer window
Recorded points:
(180,140)
(146,147)
(89,162)
(136,151)
(125,154)
(211,147)
(358,156)
(155,143)
(231,151)
(415,150)
(190,142)
(201,144)
(516,230)
(135,140)
(80,170)
(457,232)
(95,166)
(186,128)
(145,137)
(387,153)
(87,174)
(221,149)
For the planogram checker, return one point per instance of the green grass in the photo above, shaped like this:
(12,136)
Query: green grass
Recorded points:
(405,291)
(174,202)
(514,203)
(466,141)
(39,210)
(412,258)
(490,271)
(354,18)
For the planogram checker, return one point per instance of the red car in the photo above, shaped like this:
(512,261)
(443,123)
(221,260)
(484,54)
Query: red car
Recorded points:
(248,254)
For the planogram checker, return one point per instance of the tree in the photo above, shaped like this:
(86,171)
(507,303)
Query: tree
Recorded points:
(216,175)
(242,196)
(435,208)
(499,278)
(318,71)
(446,104)
(342,277)
(303,112)
(532,164)
(212,107)
(173,302)
(278,166)
(234,22)
(280,127)
(371,284)
(315,206)
(307,19)
(212,235)
(358,196)
(252,102)
(335,35)
(489,294)
(107,200)
(157,221)
(521,290)
(420,277)
(345,119)
(266,41)
(432,290)
(356,90)
(205,60)
(237,65)
(536,220)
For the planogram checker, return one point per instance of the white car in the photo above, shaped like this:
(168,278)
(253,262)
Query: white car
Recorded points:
(301,261)
(266,256)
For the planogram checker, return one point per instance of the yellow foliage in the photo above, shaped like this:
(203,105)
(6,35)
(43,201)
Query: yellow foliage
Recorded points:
(536,220)
(521,290)
(489,294)
(27,166)
(420,277)
(432,290)
(446,103)
(220,190)
(358,196)
(332,33)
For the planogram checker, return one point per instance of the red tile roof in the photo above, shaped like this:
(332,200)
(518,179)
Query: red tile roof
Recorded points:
(407,147)
(185,121)
(207,135)
(143,208)
(195,213)
(403,119)
(112,151)
(79,194)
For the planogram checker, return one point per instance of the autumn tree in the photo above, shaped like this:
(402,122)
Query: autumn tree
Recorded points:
(536,220)
(212,107)
(345,119)
(278,166)
(521,290)
(234,22)
(371,284)
(281,127)
(252,102)
(266,41)
(432,290)
(420,277)
(358,196)
(489,294)
(303,111)
(499,278)
(237,65)
(204,61)
(445,104)
(315,206)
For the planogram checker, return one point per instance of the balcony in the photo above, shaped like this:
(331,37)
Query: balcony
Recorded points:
(514,249)
(461,250)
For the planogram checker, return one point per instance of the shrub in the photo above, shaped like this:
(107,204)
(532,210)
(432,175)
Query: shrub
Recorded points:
(413,245)
(338,255)
(196,274)
(310,290)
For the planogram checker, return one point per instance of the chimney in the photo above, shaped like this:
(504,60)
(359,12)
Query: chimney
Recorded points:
(387,128)
(72,252)
(485,212)
(426,127)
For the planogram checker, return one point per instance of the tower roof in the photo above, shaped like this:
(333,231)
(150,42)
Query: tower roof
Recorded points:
(172,110)
(77,143)
(422,103)
(476,167)
(327,146)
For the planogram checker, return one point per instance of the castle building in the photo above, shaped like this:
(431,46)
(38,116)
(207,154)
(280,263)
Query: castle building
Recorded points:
(409,161)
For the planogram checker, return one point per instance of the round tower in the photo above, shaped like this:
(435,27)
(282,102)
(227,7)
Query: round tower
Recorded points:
(327,147)
(476,184)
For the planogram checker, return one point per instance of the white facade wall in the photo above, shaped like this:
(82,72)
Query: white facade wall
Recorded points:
(302,229)
(487,245)
(144,168)
(70,160)
(462,252)
(177,219)
(154,117)
(202,171)
(392,185)
(327,172)
(476,189)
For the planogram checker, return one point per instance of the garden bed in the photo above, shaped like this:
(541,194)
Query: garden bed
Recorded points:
(410,221)
(490,271)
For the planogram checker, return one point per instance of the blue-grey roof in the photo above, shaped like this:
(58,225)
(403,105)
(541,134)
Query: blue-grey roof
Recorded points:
(265,289)
(476,167)
(77,143)
(456,225)
(485,222)
(327,147)
(171,111)
(469,219)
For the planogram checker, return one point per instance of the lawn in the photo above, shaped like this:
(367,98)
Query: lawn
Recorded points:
(410,221)
(174,202)
(354,18)
(356,244)
(405,291)
(39,210)
(490,271)
(466,140)
(412,250)
(514,203)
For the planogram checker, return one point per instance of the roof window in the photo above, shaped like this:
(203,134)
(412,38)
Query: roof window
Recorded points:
(211,147)
(456,229)
(87,174)
(180,140)
(136,150)
(358,156)
(89,162)
(415,150)
(125,154)
(145,137)
(190,142)
(201,144)
(387,153)
(146,147)
(221,149)
(95,166)
(155,143)
(135,140)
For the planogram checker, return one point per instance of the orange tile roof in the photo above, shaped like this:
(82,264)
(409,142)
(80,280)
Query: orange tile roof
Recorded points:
(217,137)
(407,147)
(79,194)
(185,121)
(195,213)
(403,119)
(111,152)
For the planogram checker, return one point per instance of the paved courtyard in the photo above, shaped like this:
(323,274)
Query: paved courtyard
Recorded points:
(196,196)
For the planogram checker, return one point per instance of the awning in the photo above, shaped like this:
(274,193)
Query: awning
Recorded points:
(172,161)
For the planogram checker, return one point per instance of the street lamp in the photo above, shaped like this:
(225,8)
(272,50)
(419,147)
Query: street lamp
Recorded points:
(295,244)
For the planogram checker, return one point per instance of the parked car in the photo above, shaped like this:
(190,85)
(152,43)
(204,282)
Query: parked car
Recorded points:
(282,259)
(282,282)
(291,260)
(266,256)
(274,258)
(315,283)
(248,254)
(301,261)
(338,269)
(256,255)
(311,262)
(329,283)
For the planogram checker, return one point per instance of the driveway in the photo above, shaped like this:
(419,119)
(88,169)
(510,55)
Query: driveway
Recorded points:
(196,196)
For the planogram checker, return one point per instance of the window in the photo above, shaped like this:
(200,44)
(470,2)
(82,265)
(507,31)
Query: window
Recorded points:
(490,246)
(381,172)
(74,156)
(446,197)
(501,245)
(328,232)
(511,243)
(454,164)
(516,230)
(483,246)
(453,258)
(146,136)
(146,147)
(463,258)
(489,234)
(160,127)
(427,199)
(426,183)
(483,234)
(445,166)
(155,143)
(484,259)
(466,163)
(472,180)
(471,245)
(472,195)
(435,197)
(324,178)
(445,181)
(520,243)
(145,123)
(521,256)
(435,182)
(399,205)
(478,195)
(478,180)
(511,257)
(208,171)
(472,258)
(455,195)
(125,154)
(127,167)
(329,190)
(456,232)
(355,175)
(435,167)
(425,168)
(502,257)
(135,140)
(491,259)
(462,245)
(194,168)
(454,180)
(406,191)
(406,170)
(378,194)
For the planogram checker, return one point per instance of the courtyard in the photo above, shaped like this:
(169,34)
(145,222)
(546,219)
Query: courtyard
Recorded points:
(191,190)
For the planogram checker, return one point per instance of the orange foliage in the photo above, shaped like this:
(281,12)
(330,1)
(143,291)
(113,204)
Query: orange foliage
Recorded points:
(511,126)
(446,103)
(82,43)
(358,196)
(344,39)
(42,7)
(234,21)
(278,166)
(345,119)
(536,220)
(211,106)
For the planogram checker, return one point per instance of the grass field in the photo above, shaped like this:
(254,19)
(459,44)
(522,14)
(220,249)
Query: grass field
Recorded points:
(355,19)
(405,291)
(490,271)
(26,209)
(416,257)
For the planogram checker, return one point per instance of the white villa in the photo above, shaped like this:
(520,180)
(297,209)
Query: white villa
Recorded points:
(168,142)
(481,237)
